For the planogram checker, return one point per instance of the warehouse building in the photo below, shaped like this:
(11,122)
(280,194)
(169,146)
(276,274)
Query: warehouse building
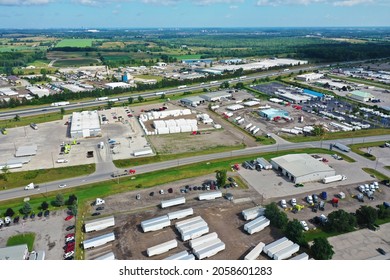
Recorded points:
(85,124)
(301,168)
(309,77)
(272,113)
(216,96)
(192,101)
(361,96)
(16,253)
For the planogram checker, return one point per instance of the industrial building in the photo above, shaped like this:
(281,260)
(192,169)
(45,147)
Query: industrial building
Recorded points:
(216,96)
(85,124)
(309,77)
(272,113)
(99,224)
(301,168)
(192,101)
(361,96)
(15,253)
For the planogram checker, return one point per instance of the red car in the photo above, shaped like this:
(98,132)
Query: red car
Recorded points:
(68,249)
(69,217)
(132,171)
(69,235)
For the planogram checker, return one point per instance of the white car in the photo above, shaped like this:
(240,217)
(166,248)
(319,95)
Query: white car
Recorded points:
(283,203)
(161,191)
(62,186)
(304,225)
(69,254)
(70,238)
(293,202)
(309,199)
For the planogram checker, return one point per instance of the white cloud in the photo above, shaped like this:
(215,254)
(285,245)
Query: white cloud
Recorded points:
(161,2)
(233,7)
(23,2)
(210,2)
(351,2)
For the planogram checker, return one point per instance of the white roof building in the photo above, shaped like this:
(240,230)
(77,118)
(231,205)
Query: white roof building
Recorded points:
(85,124)
(99,224)
(309,77)
(17,252)
(300,168)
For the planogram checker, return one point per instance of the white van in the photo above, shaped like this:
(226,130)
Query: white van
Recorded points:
(62,160)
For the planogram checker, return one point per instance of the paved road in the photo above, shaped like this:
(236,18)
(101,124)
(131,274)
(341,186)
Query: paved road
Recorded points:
(104,169)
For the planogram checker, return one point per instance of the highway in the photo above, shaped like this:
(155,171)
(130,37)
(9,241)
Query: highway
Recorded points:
(102,173)
(73,106)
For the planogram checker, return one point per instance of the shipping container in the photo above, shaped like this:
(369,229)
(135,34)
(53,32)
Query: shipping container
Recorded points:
(211,251)
(161,248)
(286,252)
(188,221)
(203,239)
(279,247)
(253,213)
(258,227)
(177,256)
(300,257)
(180,214)
(255,221)
(255,252)
(275,243)
(209,195)
(190,227)
(195,233)
(204,245)
(153,220)
(172,202)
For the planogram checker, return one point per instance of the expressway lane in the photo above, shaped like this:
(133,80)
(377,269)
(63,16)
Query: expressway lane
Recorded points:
(103,174)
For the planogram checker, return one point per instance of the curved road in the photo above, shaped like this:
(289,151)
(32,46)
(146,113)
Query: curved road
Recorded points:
(102,174)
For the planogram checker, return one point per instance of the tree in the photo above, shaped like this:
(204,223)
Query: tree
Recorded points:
(26,208)
(9,212)
(110,104)
(140,98)
(162,96)
(239,85)
(17,118)
(294,232)
(221,177)
(72,200)
(225,84)
(44,205)
(340,221)
(277,218)
(131,100)
(62,111)
(366,215)
(73,208)
(321,249)
(5,172)
(383,212)
(59,200)
(318,130)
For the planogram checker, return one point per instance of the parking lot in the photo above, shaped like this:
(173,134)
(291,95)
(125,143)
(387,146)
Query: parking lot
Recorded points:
(126,133)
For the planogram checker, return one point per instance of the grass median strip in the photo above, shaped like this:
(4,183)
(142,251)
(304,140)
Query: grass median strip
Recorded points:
(376,174)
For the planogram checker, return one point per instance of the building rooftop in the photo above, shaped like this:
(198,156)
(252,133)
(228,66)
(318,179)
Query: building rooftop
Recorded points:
(85,120)
(17,252)
(301,164)
(216,94)
(362,94)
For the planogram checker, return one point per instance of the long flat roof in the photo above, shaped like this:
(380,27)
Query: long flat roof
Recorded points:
(16,252)
(85,120)
(301,164)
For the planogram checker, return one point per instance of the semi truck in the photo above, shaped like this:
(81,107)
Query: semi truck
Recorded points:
(334,178)
(342,147)
(31,186)
(63,103)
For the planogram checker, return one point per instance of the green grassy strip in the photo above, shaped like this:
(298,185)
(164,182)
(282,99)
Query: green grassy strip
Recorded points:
(24,238)
(19,179)
(316,233)
(357,149)
(121,163)
(147,180)
(375,173)
(49,117)
(338,135)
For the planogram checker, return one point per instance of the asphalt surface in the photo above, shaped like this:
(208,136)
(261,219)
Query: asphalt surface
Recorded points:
(104,169)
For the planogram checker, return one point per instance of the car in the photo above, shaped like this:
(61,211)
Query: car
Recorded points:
(315,198)
(298,185)
(100,208)
(69,258)
(69,235)
(96,214)
(46,213)
(161,191)
(16,220)
(151,194)
(283,203)
(40,214)
(70,238)
(170,190)
(68,228)
(25,216)
(293,202)
(309,199)
(69,249)
(195,188)
(68,217)
(62,186)
(380,250)
(138,197)
(32,216)
(304,225)
(68,254)
(230,179)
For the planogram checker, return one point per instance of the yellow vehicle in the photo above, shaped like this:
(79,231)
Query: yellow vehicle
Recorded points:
(4,131)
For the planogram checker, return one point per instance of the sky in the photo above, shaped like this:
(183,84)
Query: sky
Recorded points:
(192,13)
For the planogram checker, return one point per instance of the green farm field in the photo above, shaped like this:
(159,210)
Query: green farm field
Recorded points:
(75,62)
(78,43)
